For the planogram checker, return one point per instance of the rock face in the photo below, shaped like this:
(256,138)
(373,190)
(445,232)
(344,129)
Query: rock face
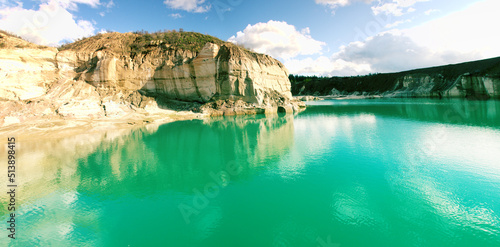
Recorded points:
(26,73)
(226,72)
(465,86)
(223,72)
(102,77)
(191,81)
(472,80)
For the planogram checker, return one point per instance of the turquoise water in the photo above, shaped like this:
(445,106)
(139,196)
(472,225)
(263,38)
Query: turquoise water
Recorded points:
(341,173)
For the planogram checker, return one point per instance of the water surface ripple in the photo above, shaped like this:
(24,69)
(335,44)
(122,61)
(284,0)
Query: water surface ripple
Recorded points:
(342,173)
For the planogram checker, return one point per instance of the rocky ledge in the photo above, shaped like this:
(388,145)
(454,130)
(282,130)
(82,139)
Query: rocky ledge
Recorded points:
(139,78)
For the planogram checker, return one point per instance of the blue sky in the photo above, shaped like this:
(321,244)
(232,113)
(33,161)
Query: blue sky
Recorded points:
(321,37)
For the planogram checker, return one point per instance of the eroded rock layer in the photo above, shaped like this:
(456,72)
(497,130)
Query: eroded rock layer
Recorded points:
(109,75)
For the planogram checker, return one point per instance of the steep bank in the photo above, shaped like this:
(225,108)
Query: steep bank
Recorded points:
(472,80)
(134,77)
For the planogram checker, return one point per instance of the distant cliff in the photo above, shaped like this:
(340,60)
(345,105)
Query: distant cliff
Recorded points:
(114,74)
(472,80)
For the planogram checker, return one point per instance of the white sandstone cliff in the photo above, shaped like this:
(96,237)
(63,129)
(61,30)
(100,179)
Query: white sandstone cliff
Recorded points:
(101,78)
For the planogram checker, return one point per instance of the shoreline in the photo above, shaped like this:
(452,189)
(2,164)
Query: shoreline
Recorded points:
(55,128)
(50,128)
(306,98)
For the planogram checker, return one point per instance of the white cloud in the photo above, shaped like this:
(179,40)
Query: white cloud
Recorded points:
(50,25)
(334,4)
(472,30)
(386,52)
(108,7)
(340,3)
(388,8)
(110,4)
(73,4)
(327,66)
(195,6)
(395,7)
(430,11)
(176,16)
(396,23)
(278,39)
(459,37)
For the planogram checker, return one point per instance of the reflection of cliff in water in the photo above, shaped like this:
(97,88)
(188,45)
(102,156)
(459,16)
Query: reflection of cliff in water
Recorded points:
(183,155)
(50,164)
(179,156)
(461,112)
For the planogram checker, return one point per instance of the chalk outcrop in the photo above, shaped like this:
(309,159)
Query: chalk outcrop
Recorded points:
(464,86)
(104,77)
(226,72)
(223,71)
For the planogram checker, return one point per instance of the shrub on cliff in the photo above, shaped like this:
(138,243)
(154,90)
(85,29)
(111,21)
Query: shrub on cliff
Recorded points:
(189,41)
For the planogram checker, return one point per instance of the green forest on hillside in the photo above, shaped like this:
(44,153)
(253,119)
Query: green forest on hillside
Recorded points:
(378,83)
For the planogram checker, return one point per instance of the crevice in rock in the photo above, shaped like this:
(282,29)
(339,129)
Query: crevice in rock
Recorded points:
(192,72)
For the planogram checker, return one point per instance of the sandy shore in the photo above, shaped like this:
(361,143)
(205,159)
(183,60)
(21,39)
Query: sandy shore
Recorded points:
(55,128)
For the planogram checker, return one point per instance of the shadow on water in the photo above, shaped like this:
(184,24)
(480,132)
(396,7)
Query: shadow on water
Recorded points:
(460,112)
